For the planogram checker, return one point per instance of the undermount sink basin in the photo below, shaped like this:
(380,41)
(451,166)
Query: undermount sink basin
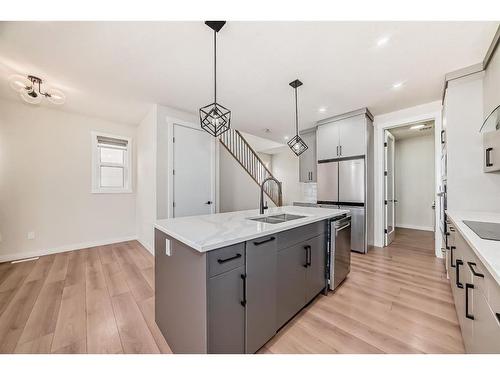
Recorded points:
(276,219)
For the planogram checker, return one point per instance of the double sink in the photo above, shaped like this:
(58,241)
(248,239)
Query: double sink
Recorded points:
(277,219)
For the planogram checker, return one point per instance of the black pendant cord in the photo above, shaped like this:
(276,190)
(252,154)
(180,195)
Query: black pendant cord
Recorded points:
(215,66)
(296,114)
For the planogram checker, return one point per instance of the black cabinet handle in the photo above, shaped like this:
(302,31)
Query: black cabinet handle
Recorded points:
(451,255)
(488,157)
(337,150)
(474,272)
(244,301)
(459,263)
(257,243)
(467,287)
(306,248)
(442,138)
(220,261)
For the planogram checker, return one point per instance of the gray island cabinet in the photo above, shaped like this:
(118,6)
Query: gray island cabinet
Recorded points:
(235,298)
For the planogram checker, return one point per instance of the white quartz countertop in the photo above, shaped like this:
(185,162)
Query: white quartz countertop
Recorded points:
(209,232)
(487,251)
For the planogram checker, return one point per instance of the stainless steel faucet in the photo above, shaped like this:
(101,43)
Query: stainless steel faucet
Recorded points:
(280,197)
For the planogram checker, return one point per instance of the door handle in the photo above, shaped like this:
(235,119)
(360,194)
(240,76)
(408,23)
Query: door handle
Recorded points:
(459,262)
(244,301)
(442,138)
(209,202)
(467,287)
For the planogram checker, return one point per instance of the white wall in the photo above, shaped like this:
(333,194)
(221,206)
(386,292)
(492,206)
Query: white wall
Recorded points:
(238,191)
(491,92)
(414,179)
(45,183)
(285,167)
(424,112)
(468,187)
(146,179)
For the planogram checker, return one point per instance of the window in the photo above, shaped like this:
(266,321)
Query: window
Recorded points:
(111,161)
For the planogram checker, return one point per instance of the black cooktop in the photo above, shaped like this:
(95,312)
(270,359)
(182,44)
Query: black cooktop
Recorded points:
(487,231)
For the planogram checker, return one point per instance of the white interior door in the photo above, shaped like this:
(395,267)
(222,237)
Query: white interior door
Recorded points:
(389,188)
(193,172)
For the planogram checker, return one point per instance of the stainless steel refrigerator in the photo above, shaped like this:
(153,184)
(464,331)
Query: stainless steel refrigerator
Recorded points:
(342,183)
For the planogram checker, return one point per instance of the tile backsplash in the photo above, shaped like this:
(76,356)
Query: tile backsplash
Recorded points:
(308,192)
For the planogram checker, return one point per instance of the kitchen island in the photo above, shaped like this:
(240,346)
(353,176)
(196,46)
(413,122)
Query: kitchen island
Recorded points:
(226,283)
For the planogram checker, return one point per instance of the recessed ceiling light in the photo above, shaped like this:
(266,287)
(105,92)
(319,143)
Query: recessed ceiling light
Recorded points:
(416,127)
(397,85)
(322,109)
(382,41)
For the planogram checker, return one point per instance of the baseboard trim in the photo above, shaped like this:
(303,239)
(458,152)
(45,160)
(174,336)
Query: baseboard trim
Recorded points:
(62,249)
(417,227)
(146,246)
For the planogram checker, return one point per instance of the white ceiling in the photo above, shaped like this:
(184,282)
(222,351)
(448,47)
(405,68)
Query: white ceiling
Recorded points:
(405,132)
(114,69)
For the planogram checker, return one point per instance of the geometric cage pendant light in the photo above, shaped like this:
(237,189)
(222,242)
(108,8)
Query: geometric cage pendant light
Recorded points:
(296,144)
(30,90)
(215,118)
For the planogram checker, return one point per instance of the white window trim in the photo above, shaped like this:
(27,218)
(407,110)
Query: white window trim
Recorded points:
(95,183)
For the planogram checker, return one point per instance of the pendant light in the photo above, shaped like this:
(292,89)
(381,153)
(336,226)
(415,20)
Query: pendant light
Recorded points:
(296,144)
(215,118)
(30,90)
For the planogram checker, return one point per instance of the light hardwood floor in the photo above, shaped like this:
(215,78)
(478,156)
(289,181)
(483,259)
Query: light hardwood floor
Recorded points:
(395,300)
(101,300)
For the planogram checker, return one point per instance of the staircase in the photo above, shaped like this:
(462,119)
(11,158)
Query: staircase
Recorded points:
(238,147)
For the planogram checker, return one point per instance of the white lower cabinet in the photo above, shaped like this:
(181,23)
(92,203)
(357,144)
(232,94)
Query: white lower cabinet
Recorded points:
(476,294)
(486,327)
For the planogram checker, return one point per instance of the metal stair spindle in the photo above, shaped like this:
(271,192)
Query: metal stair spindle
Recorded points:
(234,142)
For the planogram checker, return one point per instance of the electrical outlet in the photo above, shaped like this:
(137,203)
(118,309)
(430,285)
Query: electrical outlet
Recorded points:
(31,235)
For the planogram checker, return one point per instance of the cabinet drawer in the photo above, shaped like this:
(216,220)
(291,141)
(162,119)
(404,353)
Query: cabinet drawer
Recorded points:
(225,259)
(296,235)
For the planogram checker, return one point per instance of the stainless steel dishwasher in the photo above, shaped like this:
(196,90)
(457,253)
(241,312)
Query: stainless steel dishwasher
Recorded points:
(340,251)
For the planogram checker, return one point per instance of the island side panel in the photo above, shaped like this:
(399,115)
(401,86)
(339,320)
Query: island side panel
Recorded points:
(180,293)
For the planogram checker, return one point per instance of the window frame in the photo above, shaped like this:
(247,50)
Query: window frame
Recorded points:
(96,166)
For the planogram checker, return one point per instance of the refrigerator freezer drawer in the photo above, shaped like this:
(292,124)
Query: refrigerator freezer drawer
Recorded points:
(328,182)
(352,181)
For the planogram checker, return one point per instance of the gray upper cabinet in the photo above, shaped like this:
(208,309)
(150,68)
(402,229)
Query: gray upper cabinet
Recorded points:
(343,136)
(327,141)
(307,160)
(352,136)
(226,322)
(261,264)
